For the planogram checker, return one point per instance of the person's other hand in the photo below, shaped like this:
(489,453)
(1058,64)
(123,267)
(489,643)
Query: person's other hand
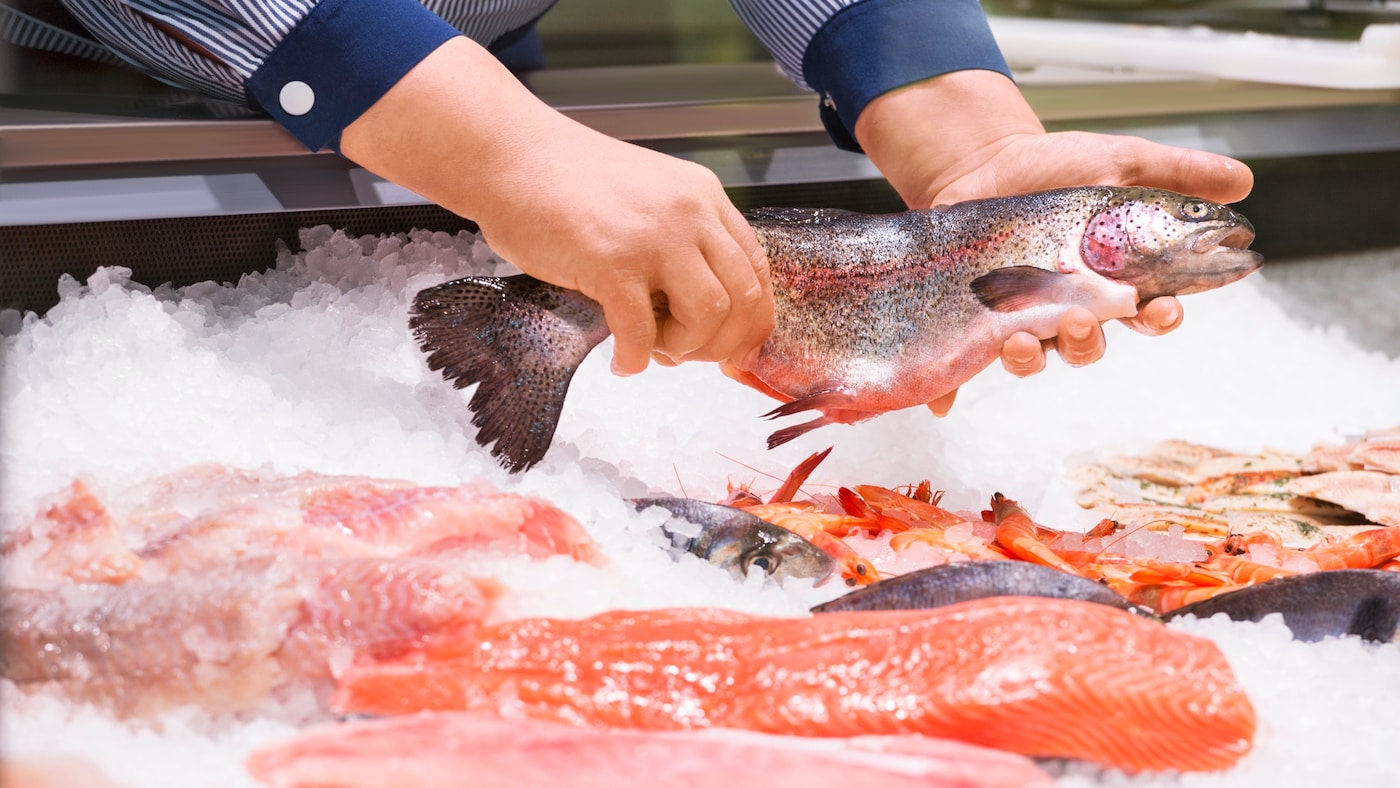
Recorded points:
(653,238)
(970,134)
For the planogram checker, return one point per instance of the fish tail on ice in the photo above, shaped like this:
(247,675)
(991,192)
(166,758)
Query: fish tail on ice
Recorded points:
(520,340)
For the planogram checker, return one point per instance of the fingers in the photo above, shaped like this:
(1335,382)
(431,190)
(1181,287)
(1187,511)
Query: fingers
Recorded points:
(756,310)
(1079,342)
(697,304)
(1081,339)
(1022,355)
(943,404)
(1156,317)
(628,310)
(721,305)
(1194,172)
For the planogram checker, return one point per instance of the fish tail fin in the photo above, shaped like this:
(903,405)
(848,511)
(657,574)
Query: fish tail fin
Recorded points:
(521,340)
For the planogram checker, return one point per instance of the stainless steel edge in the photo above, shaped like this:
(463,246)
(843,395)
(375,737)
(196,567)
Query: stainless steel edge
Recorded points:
(639,104)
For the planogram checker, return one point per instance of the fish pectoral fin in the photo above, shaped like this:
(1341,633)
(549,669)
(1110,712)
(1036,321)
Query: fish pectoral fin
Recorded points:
(1017,287)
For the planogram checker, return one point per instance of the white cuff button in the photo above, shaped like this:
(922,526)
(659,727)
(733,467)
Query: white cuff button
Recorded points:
(296,98)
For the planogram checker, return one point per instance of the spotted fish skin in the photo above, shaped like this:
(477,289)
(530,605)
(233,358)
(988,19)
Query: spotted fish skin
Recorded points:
(873,313)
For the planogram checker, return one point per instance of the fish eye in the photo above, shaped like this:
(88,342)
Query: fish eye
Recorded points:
(1196,210)
(767,563)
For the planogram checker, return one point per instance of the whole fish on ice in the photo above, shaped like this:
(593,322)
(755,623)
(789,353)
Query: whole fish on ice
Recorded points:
(740,542)
(949,584)
(872,313)
(1315,605)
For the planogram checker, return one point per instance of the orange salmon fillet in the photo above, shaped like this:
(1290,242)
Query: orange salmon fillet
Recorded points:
(452,749)
(1040,677)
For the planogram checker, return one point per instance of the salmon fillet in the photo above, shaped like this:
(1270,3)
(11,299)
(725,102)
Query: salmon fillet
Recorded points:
(437,750)
(1040,677)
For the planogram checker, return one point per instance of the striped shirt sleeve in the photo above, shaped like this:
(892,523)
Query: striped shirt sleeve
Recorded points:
(348,53)
(786,28)
(852,51)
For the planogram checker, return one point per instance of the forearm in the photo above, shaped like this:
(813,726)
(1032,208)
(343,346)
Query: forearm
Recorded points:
(455,127)
(927,135)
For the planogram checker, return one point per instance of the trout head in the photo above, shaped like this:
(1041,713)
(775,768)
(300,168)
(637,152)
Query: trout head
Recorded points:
(1165,243)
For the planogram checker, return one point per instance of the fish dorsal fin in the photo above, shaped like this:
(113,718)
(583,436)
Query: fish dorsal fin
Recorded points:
(521,340)
(1015,288)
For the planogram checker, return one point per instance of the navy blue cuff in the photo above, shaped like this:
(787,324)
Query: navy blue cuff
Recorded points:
(341,59)
(875,46)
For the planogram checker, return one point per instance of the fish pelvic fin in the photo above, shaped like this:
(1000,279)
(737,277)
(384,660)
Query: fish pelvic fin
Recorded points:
(520,340)
(1016,287)
(829,402)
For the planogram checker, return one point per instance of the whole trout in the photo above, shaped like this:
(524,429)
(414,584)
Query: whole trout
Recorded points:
(873,313)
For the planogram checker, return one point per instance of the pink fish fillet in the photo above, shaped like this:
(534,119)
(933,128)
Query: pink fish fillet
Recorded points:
(203,517)
(1040,677)
(1379,455)
(452,749)
(73,538)
(432,519)
(1371,493)
(231,639)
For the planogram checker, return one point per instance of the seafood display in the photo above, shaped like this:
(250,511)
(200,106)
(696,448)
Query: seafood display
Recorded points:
(261,584)
(1041,677)
(515,752)
(1263,516)
(873,313)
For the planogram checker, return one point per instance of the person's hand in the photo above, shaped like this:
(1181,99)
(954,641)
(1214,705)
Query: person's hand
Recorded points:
(636,230)
(970,134)
(652,238)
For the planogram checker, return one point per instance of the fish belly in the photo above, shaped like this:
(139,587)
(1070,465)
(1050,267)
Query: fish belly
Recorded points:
(1040,677)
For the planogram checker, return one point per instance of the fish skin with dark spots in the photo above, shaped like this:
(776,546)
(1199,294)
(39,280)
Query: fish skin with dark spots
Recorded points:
(741,543)
(873,313)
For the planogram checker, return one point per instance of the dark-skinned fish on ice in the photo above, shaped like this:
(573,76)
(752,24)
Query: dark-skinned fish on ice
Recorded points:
(1315,605)
(872,313)
(950,584)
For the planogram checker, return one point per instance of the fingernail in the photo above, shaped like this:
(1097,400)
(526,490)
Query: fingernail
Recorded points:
(1173,315)
(1021,359)
(616,370)
(1080,331)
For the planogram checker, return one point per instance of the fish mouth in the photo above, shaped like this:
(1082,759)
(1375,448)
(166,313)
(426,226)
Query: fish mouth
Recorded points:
(1218,256)
(1233,238)
(1211,257)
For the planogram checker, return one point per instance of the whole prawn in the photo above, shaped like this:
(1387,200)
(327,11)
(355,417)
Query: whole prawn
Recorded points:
(804,518)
